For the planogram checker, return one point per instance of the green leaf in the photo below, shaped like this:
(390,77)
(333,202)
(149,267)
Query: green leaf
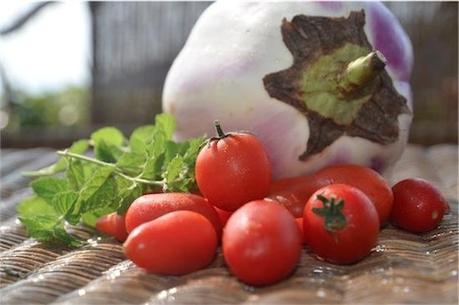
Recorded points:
(79,147)
(77,173)
(42,222)
(63,202)
(48,187)
(140,137)
(34,206)
(127,192)
(96,192)
(165,122)
(108,143)
(110,135)
(131,163)
(175,175)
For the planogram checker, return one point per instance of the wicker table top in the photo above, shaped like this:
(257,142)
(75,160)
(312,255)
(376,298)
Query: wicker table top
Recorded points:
(403,268)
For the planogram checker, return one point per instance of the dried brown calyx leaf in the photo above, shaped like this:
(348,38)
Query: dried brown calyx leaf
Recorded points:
(337,81)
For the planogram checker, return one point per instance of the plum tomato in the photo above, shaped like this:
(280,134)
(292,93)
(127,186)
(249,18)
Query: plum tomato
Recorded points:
(233,169)
(176,243)
(261,243)
(151,206)
(293,193)
(340,224)
(418,206)
(113,224)
(363,178)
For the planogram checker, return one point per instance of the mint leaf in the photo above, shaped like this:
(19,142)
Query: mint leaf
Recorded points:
(165,123)
(76,174)
(48,187)
(42,222)
(131,163)
(140,137)
(107,144)
(63,202)
(78,147)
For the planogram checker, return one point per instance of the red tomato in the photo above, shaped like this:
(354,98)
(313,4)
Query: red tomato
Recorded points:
(299,222)
(113,225)
(418,206)
(233,169)
(151,206)
(293,193)
(363,178)
(261,243)
(173,244)
(223,215)
(340,224)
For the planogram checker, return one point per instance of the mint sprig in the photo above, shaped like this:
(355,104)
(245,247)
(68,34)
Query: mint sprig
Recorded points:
(106,174)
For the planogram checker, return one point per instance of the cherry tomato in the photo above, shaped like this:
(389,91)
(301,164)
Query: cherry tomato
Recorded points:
(233,169)
(299,222)
(261,243)
(113,225)
(223,215)
(340,224)
(363,178)
(173,244)
(293,193)
(151,206)
(418,206)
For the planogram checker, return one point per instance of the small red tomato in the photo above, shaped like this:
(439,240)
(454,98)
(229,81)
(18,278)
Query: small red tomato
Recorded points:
(418,206)
(363,178)
(293,193)
(233,169)
(340,224)
(151,206)
(299,222)
(261,243)
(223,215)
(176,243)
(113,224)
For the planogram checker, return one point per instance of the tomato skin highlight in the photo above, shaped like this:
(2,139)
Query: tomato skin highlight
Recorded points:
(174,244)
(152,206)
(261,243)
(113,224)
(363,178)
(418,206)
(293,193)
(352,242)
(233,170)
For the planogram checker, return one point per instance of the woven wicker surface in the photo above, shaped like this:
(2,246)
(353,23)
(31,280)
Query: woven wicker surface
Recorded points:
(403,268)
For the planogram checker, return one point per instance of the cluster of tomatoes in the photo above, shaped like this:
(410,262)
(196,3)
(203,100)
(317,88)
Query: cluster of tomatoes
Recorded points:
(263,224)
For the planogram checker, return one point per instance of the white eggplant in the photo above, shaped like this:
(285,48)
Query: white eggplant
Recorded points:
(302,76)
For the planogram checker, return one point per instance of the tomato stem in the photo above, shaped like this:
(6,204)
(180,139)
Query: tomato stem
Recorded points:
(219,130)
(331,211)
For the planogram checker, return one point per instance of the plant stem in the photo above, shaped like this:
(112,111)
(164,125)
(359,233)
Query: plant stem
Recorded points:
(218,128)
(117,171)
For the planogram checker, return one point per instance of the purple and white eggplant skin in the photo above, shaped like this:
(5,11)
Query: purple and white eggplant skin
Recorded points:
(219,72)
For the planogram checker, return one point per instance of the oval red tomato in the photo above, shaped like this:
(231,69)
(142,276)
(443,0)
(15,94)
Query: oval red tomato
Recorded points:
(363,178)
(233,169)
(293,193)
(418,206)
(151,206)
(340,224)
(173,244)
(113,224)
(261,243)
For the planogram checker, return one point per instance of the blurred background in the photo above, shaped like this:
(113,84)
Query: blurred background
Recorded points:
(68,68)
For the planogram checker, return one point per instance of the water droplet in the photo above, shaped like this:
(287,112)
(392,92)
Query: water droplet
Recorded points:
(162,295)
(81,292)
